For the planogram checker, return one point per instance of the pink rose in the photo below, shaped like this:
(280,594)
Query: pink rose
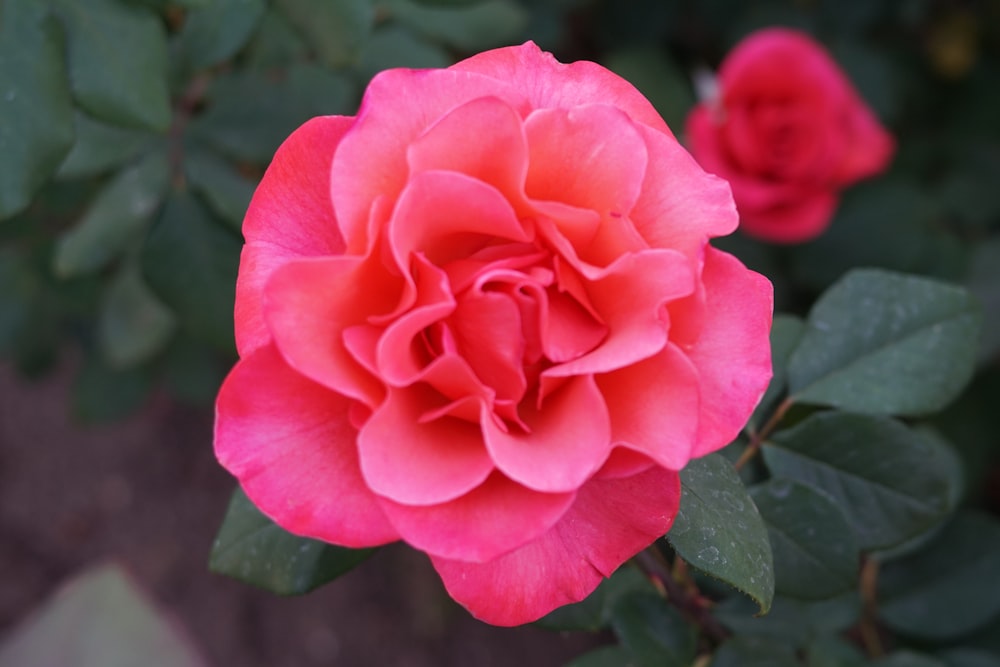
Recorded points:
(789,132)
(482,316)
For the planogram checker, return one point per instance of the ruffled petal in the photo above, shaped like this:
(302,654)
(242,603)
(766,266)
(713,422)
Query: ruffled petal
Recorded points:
(732,355)
(414,462)
(310,302)
(549,83)
(793,223)
(489,521)
(291,445)
(289,216)
(654,406)
(568,440)
(610,521)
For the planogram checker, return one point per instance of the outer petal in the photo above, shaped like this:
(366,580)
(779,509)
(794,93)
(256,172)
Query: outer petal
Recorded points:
(796,222)
(399,105)
(309,305)
(569,440)
(611,520)
(289,216)
(654,406)
(869,146)
(733,354)
(418,463)
(550,84)
(290,444)
(493,519)
(681,205)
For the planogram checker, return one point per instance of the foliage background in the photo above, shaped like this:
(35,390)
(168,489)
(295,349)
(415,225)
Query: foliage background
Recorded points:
(132,133)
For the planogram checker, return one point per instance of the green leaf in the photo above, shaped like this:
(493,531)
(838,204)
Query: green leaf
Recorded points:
(191,261)
(793,622)
(786,332)
(116,217)
(719,530)
(336,30)
(653,631)
(658,78)
(969,657)
(908,659)
(984,281)
(594,612)
(891,482)
(99,619)
(216,32)
(950,588)
(100,147)
(753,652)
(118,62)
(395,46)
(884,343)
(253,549)
(606,656)
(133,325)
(476,27)
(103,394)
(249,114)
(831,652)
(192,371)
(275,44)
(36,113)
(225,190)
(815,553)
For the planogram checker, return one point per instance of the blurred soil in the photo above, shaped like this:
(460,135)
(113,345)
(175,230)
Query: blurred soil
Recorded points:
(148,493)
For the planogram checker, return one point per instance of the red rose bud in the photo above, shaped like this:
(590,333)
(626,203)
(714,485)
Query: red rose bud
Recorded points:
(789,132)
(482,316)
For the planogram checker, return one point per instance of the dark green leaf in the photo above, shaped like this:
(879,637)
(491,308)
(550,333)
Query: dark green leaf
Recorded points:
(36,113)
(100,147)
(786,332)
(884,343)
(719,530)
(948,589)
(984,281)
(252,548)
(606,656)
(133,324)
(753,652)
(969,657)
(793,622)
(815,554)
(249,114)
(908,659)
(117,217)
(118,62)
(594,612)
(216,32)
(193,372)
(102,393)
(890,481)
(190,261)
(275,44)
(658,78)
(395,46)
(225,190)
(831,652)
(480,26)
(653,631)
(336,31)
(99,619)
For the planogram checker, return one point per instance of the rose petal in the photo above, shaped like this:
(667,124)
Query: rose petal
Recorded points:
(549,83)
(483,139)
(792,223)
(289,216)
(420,463)
(487,328)
(681,204)
(310,302)
(610,521)
(493,519)
(869,146)
(290,443)
(654,406)
(570,438)
(398,106)
(732,355)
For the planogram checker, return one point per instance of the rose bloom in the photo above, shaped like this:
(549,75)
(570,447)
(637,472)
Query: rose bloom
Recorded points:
(789,132)
(482,316)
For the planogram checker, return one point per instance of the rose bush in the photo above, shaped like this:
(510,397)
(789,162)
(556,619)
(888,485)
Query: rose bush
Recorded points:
(788,131)
(483,317)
